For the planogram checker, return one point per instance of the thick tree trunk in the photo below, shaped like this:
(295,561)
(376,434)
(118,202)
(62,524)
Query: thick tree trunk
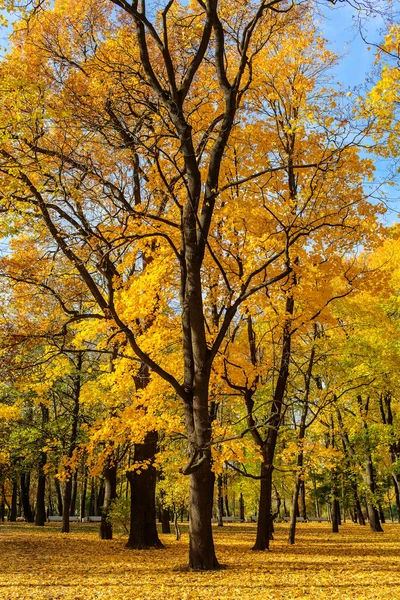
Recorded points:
(25,491)
(201,546)
(143,529)
(335,516)
(110,493)
(13,512)
(264,509)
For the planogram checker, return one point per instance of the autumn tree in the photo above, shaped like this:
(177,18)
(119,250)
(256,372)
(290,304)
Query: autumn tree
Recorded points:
(116,146)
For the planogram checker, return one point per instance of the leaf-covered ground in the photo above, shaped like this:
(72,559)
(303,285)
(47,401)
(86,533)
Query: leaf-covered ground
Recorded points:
(46,564)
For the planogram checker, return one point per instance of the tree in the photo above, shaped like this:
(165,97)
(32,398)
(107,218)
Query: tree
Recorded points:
(119,147)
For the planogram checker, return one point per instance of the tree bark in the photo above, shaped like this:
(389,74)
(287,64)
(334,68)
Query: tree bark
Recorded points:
(40,517)
(110,493)
(25,492)
(335,510)
(241,507)
(143,529)
(59,496)
(264,509)
(165,522)
(83,494)
(72,508)
(13,511)
(201,546)
(220,502)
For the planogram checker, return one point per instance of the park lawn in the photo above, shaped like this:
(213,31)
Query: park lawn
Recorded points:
(43,563)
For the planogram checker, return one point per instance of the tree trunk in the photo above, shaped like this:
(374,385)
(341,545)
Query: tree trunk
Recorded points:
(25,490)
(358,511)
(165,524)
(40,517)
(303,508)
(13,512)
(292,528)
(396,485)
(66,505)
(373,514)
(72,508)
(143,529)
(176,527)
(59,497)
(335,515)
(110,493)
(201,546)
(220,502)
(83,495)
(241,507)
(264,509)
(226,499)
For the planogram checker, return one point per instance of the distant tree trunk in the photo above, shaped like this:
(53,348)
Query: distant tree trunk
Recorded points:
(110,493)
(59,497)
(241,507)
(381,514)
(303,507)
(385,403)
(77,383)
(176,526)
(165,524)
(339,516)
(72,508)
(143,530)
(25,481)
(396,485)
(40,517)
(335,515)
(93,497)
(358,511)
(83,495)
(100,498)
(220,502)
(226,499)
(299,487)
(13,512)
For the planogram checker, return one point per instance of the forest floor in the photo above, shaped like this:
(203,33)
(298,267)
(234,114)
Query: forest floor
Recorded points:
(42,563)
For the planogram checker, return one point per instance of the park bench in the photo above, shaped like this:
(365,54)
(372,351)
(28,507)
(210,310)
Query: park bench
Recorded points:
(298,519)
(317,519)
(59,519)
(93,519)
